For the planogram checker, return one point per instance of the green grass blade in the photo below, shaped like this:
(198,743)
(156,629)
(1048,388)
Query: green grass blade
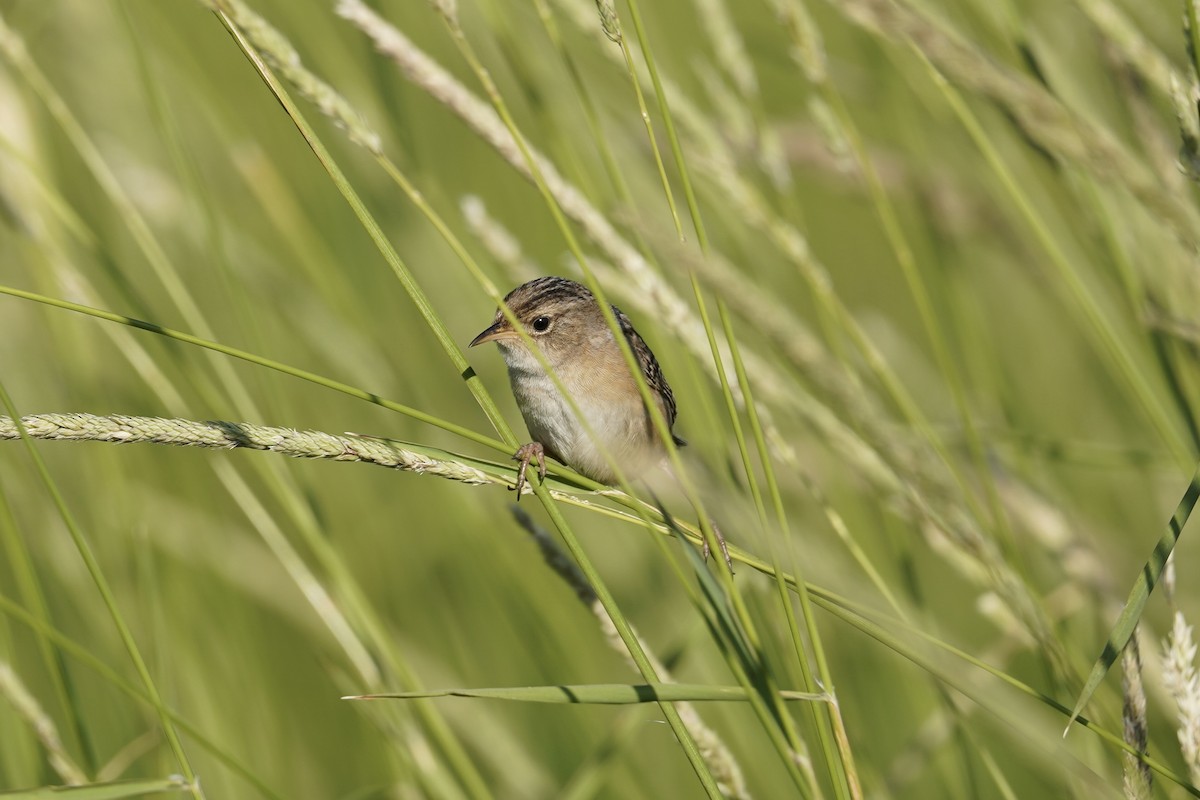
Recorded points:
(599,694)
(104,791)
(1142,587)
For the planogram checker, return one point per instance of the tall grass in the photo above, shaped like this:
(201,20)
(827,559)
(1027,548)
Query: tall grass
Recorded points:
(923,280)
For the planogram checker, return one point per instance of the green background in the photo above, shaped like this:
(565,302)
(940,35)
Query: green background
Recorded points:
(1060,282)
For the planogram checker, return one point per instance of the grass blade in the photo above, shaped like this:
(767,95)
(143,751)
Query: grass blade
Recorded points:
(104,791)
(1132,612)
(613,694)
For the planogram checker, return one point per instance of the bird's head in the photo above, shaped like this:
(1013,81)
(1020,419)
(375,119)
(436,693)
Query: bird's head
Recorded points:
(559,315)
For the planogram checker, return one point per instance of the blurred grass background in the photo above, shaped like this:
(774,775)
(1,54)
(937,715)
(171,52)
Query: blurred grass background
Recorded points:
(1054,246)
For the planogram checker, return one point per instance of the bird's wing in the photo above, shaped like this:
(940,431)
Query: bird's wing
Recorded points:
(650,370)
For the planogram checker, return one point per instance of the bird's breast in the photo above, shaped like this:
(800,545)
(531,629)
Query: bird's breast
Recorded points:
(605,396)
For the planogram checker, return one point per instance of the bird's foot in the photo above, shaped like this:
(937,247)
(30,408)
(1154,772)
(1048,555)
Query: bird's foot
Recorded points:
(529,452)
(706,551)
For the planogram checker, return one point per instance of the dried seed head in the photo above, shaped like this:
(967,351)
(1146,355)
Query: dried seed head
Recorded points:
(609,20)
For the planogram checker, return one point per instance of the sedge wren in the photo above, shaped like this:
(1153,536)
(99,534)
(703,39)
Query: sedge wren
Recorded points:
(564,320)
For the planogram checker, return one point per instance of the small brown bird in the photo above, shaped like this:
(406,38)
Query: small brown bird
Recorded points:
(565,321)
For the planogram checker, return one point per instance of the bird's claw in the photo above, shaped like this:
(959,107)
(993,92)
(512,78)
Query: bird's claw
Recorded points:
(706,551)
(529,452)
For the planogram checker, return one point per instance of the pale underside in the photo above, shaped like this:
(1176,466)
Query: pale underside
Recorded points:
(607,396)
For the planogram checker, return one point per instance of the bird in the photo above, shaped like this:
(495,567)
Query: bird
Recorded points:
(563,318)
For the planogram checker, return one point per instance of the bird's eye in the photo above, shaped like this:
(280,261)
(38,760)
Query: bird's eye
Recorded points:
(541,324)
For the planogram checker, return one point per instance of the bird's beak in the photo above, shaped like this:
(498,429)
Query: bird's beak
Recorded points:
(500,329)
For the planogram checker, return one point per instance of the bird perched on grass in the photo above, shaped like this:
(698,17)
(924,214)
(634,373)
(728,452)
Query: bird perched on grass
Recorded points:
(564,320)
